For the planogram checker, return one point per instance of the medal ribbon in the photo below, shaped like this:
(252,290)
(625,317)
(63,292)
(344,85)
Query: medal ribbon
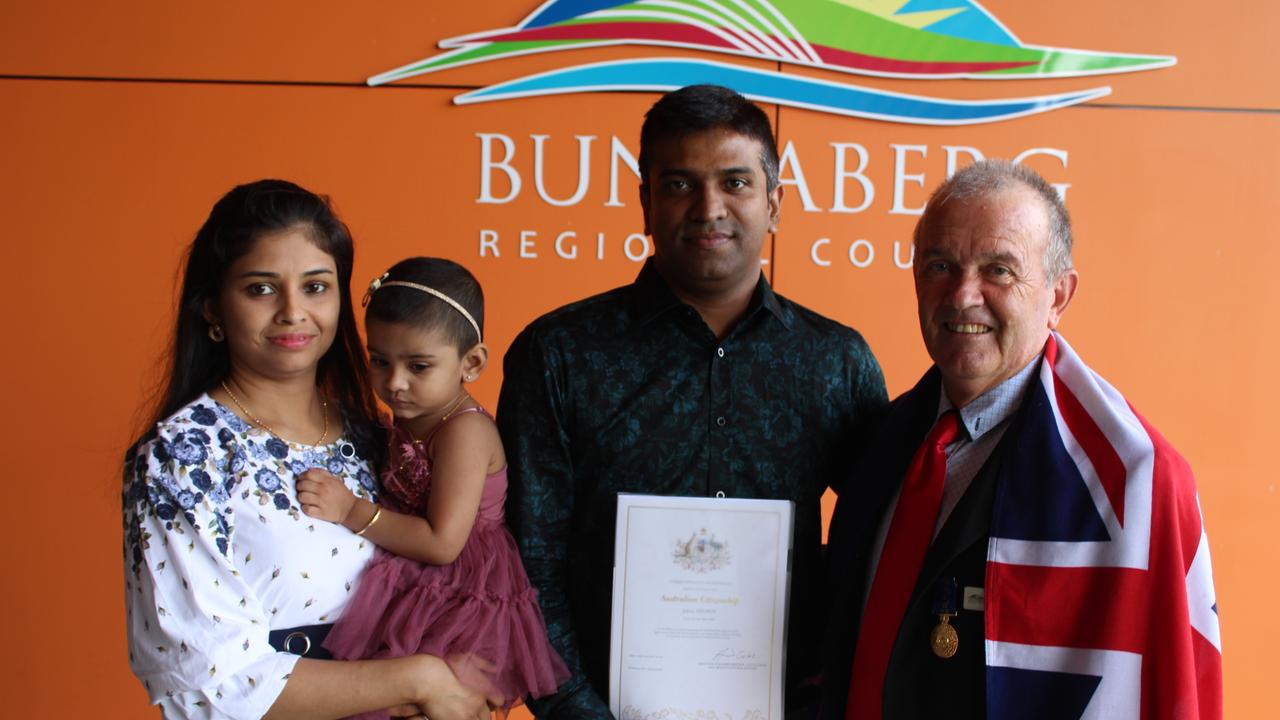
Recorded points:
(909,536)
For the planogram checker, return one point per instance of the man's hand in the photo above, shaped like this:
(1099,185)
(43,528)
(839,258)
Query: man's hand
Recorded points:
(324,496)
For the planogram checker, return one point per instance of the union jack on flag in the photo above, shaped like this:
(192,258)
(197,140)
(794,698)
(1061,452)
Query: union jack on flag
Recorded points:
(1099,589)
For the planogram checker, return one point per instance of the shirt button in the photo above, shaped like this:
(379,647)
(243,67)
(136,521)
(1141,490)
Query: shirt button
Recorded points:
(720,421)
(720,352)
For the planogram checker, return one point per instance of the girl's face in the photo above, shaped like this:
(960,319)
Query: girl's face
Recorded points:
(417,372)
(278,307)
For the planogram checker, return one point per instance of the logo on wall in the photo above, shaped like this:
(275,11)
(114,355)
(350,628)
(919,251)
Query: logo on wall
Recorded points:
(914,39)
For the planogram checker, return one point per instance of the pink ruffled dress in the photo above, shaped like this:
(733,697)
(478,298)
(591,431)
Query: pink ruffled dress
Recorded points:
(478,613)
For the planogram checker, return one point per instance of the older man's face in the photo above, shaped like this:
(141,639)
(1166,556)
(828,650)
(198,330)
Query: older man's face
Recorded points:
(986,305)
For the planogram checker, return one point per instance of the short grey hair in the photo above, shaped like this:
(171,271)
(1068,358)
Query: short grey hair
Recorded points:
(988,177)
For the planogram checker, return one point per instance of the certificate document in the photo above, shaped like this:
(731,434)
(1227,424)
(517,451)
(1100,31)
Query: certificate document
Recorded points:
(699,608)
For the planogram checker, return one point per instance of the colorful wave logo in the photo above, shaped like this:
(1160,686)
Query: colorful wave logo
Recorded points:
(918,39)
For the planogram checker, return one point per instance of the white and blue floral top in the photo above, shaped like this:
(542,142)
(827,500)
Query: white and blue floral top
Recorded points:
(218,554)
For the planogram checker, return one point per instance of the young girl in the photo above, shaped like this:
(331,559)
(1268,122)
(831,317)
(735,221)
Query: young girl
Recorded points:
(448,581)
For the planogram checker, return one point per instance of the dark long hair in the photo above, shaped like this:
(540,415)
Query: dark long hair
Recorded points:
(246,213)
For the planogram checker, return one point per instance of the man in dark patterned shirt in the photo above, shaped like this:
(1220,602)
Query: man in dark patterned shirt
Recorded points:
(695,380)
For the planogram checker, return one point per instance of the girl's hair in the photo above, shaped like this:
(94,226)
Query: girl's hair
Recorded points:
(235,223)
(392,303)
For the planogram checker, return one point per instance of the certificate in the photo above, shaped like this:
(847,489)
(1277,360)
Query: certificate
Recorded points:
(699,608)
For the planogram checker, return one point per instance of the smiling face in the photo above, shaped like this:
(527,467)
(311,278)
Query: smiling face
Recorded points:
(708,208)
(278,307)
(418,372)
(986,305)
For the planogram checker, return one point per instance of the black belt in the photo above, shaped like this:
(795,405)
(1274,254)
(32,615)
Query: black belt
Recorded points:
(305,641)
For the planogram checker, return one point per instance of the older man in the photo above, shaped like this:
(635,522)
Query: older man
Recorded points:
(1041,552)
(696,380)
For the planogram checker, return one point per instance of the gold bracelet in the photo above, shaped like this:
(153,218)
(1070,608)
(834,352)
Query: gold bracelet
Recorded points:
(377,513)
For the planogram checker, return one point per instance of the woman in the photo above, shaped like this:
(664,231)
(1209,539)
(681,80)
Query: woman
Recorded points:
(225,577)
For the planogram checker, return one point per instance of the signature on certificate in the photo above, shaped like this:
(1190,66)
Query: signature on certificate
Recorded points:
(730,654)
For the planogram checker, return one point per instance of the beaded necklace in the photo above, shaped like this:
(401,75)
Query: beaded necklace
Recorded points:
(324,410)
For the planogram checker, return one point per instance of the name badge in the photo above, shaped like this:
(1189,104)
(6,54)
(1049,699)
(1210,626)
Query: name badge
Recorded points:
(974,599)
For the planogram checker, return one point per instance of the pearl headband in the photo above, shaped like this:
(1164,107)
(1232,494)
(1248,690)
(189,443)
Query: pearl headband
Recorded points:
(381,282)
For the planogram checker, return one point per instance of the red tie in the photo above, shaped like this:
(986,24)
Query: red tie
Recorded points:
(904,548)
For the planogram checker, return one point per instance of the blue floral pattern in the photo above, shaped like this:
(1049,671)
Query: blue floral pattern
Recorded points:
(268,480)
(217,549)
(204,415)
(277,448)
(187,451)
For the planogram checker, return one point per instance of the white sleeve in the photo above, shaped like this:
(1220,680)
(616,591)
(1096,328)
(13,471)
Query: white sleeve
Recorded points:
(197,633)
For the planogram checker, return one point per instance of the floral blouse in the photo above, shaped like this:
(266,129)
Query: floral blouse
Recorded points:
(218,553)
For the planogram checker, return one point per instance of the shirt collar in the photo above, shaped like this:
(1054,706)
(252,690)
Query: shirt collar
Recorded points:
(996,405)
(653,296)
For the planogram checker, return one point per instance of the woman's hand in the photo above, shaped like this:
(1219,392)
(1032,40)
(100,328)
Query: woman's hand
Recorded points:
(412,686)
(440,695)
(324,496)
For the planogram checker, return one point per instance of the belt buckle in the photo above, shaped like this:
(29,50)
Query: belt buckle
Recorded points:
(288,642)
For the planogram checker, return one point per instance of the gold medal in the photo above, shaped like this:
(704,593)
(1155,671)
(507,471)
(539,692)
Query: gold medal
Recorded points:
(944,639)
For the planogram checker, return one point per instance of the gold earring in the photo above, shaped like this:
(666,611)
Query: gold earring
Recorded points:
(216,334)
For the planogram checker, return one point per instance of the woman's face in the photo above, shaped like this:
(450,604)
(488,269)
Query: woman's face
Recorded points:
(278,307)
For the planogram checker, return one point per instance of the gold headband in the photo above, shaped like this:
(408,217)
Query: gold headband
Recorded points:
(381,282)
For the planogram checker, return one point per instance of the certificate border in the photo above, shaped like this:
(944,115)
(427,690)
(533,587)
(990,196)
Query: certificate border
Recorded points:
(783,511)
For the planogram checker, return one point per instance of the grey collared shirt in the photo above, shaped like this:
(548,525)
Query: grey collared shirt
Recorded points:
(985,421)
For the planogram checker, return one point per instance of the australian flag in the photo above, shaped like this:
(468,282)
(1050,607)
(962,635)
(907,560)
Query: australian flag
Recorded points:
(1100,600)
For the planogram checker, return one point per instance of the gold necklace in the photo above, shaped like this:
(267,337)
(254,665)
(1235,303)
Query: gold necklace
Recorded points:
(462,397)
(324,410)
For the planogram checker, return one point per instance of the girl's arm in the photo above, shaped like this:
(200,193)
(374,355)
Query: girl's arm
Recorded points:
(464,450)
(417,684)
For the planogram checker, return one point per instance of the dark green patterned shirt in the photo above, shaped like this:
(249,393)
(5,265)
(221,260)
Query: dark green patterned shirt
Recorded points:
(630,391)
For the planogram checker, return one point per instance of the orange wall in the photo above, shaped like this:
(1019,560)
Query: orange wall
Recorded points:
(111,157)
